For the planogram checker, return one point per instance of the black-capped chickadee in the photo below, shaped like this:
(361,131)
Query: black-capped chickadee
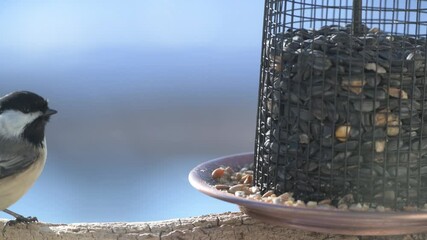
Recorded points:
(23,117)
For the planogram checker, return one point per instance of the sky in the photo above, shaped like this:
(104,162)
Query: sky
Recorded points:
(78,25)
(145,91)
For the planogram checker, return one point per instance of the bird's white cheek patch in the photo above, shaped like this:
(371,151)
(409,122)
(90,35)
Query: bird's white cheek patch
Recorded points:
(12,123)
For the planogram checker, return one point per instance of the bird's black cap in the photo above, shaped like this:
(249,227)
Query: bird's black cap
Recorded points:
(23,101)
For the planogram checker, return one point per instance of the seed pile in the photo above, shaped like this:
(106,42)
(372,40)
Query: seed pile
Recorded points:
(238,183)
(344,114)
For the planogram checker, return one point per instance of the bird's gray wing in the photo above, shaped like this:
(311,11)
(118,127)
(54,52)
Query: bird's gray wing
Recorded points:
(15,158)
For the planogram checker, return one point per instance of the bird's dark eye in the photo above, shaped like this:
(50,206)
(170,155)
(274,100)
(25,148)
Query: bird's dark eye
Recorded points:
(26,110)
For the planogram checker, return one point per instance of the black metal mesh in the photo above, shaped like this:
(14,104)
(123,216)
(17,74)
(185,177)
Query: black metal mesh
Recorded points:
(342,101)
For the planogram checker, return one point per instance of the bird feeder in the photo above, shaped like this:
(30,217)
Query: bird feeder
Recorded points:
(342,102)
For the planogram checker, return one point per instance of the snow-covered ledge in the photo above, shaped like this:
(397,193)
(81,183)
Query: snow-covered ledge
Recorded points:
(216,226)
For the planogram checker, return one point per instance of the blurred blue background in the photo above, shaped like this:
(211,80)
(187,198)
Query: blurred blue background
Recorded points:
(146,90)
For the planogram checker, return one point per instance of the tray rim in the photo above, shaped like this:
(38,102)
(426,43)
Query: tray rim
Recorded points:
(330,221)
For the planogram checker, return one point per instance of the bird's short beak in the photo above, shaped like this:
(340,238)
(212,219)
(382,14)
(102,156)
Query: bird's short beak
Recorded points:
(49,112)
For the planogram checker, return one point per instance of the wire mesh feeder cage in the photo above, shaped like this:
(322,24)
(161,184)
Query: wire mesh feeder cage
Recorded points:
(342,112)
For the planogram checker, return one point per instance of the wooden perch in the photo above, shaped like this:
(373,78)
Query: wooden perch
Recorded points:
(215,226)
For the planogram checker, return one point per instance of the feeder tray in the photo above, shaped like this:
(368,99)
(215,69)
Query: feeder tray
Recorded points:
(319,220)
